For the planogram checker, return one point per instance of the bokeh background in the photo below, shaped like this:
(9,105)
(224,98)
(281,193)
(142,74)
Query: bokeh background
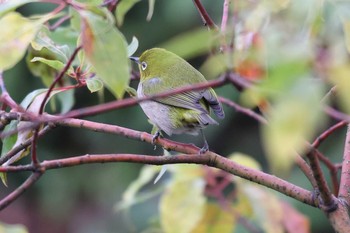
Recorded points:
(81,199)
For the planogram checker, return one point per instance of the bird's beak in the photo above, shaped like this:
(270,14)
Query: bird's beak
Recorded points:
(135,59)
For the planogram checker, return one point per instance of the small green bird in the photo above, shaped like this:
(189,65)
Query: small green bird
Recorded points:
(187,112)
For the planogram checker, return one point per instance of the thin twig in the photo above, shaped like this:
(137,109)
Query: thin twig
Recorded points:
(5,97)
(20,190)
(204,15)
(89,111)
(344,190)
(337,114)
(327,202)
(327,133)
(23,145)
(59,22)
(225,13)
(305,168)
(243,110)
(43,103)
(333,169)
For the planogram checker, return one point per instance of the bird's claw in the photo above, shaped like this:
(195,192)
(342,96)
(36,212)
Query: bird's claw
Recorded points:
(154,138)
(204,149)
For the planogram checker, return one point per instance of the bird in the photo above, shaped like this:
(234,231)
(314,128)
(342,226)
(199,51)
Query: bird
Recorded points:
(187,112)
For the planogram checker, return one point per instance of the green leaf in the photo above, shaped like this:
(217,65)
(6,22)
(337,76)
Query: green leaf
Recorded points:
(267,208)
(42,40)
(132,194)
(31,103)
(94,84)
(7,145)
(66,100)
(12,228)
(150,9)
(293,118)
(214,66)
(132,47)
(190,44)
(106,49)
(57,65)
(123,7)
(17,32)
(182,206)
(11,5)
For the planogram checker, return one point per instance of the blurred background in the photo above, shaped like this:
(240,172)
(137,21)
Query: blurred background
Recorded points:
(81,199)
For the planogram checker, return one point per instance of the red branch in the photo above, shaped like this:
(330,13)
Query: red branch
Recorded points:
(20,190)
(210,159)
(344,190)
(327,203)
(204,15)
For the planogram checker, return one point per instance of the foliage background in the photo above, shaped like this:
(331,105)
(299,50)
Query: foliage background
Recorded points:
(81,199)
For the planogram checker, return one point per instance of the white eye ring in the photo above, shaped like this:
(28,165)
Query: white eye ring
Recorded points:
(143,65)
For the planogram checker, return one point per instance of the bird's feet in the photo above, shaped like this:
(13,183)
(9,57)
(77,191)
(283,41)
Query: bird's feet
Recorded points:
(154,138)
(204,149)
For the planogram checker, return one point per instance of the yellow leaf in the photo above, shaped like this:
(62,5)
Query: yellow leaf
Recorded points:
(340,76)
(216,219)
(266,207)
(245,160)
(346,28)
(182,206)
(16,34)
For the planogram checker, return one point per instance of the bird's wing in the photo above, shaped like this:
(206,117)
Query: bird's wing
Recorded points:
(197,100)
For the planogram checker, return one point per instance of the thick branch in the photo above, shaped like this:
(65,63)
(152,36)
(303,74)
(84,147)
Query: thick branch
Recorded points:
(344,190)
(211,159)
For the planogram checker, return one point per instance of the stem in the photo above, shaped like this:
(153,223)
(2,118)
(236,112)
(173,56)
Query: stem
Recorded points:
(43,103)
(225,14)
(20,190)
(89,111)
(210,159)
(204,15)
(327,202)
(344,190)
(327,133)
(243,110)
(22,146)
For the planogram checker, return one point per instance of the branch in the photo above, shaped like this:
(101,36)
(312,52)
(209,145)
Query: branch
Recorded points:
(20,190)
(210,159)
(89,111)
(5,97)
(333,169)
(327,133)
(204,15)
(327,202)
(344,190)
(241,109)
(4,158)
(337,114)
(47,95)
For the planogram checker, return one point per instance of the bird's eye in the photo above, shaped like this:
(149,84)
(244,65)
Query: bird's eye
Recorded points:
(143,65)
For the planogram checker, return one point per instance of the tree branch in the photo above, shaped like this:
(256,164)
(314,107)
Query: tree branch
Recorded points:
(20,190)
(243,110)
(327,202)
(210,159)
(204,15)
(344,190)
